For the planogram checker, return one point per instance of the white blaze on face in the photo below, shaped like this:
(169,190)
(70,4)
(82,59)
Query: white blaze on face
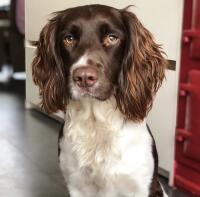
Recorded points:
(81,62)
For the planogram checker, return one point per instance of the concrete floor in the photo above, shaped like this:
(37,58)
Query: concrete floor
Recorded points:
(28,150)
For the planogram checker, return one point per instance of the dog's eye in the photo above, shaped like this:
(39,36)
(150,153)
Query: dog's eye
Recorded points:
(70,40)
(110,39)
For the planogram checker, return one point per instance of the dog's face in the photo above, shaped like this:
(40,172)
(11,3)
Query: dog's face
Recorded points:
(92,48)
(98,51)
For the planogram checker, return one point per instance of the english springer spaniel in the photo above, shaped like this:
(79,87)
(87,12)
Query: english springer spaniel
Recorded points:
(101,66)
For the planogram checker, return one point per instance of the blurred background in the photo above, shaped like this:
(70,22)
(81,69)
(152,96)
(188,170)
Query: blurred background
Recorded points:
(28,137)
(12,51)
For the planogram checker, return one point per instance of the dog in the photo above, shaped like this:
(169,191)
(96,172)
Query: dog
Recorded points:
(102,67)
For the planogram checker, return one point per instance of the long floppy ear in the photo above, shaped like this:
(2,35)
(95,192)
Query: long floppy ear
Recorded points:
(143,69)
(48,69)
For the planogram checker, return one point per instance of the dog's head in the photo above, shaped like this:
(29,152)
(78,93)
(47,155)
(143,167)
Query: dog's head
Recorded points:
(98,51)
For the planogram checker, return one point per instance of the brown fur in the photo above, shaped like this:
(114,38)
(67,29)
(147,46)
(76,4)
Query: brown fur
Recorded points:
(143,70)
(48,70)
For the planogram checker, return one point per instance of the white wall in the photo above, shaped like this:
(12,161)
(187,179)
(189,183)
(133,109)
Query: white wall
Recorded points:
(164,19)
(4,2)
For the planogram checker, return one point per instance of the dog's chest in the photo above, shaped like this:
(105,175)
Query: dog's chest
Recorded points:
(93,131)
(100,145)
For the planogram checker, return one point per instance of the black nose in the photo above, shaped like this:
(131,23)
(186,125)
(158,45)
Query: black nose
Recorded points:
(85,76)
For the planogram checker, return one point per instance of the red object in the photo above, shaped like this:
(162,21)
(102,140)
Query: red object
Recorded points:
(192,143)
(195,45)
(187,168)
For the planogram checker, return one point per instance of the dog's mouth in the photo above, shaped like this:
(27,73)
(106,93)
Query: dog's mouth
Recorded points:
(85,92)
(98,92)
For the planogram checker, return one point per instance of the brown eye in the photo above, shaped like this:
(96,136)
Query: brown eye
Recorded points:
(70,40)
(110,39)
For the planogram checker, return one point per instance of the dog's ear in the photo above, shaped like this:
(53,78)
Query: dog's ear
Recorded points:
(142,70)
(48,69)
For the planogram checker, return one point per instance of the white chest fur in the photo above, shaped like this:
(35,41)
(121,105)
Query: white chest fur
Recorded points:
(103,154)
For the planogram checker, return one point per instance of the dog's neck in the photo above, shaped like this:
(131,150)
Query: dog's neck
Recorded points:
(98,111)
(88,109)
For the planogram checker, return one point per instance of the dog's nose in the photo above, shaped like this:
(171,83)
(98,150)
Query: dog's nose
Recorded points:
(85,76)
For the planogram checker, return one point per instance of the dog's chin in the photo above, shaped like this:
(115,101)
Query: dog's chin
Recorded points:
(97,94)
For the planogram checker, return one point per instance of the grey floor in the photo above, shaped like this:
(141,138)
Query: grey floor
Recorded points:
(28,150)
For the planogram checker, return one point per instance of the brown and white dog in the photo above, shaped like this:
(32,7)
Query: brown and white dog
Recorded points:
(103,68)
